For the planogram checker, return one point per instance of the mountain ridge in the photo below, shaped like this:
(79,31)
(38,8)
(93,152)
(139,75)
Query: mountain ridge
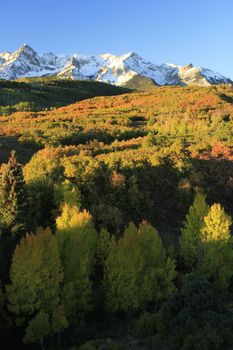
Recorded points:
(108,68)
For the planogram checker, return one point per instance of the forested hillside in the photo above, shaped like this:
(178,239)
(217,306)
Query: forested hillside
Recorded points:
(116,232)
(35,94)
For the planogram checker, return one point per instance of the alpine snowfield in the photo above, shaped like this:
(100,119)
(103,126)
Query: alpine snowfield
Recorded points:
(117,70)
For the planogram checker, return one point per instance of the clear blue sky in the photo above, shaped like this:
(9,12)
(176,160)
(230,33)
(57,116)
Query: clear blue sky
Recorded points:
(177,31)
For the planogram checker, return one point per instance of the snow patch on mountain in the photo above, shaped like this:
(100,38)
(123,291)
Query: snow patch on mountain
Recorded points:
(25,62)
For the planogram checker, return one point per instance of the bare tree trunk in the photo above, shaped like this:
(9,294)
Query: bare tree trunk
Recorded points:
(59,339)
(42,343)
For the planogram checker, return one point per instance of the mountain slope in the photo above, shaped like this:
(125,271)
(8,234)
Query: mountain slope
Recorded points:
(117,70)
(140,82)
(34,94)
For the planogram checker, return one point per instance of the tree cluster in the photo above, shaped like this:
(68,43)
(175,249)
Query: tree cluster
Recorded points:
(55,278)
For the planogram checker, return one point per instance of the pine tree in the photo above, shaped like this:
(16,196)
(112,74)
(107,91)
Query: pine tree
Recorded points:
(191,233)
(13,197)
(13,212)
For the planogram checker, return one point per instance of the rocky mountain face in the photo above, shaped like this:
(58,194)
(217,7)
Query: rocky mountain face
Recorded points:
(117,70)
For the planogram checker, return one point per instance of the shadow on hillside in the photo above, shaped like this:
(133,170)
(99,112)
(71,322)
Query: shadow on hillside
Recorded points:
(216,180)
(226,98)
(160,194)
(78,138)
(9,143)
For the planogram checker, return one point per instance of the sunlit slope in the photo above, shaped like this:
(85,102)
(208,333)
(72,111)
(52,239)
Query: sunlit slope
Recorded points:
(189,112)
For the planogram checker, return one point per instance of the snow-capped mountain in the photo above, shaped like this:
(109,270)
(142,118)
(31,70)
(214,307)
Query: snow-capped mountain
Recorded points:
(118,70)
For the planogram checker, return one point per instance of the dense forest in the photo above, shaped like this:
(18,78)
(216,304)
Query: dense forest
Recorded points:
(35,94)
(115,218)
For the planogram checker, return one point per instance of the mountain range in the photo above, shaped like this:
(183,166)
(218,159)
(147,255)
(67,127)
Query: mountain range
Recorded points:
(116,70)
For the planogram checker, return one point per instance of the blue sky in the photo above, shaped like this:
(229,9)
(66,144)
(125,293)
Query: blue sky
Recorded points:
(174,31)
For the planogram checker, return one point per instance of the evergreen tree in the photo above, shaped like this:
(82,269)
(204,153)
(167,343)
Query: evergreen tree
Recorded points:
(13,197)
(197,317)
(36,276)
(190,234)
(13,212)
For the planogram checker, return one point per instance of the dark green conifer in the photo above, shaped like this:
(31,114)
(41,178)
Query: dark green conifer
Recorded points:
(13,212)
(13,198)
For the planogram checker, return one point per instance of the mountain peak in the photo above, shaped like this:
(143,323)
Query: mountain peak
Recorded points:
(131,54)
(26,48)
(25,45)
(113,69)
(187,66)
(26,52)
